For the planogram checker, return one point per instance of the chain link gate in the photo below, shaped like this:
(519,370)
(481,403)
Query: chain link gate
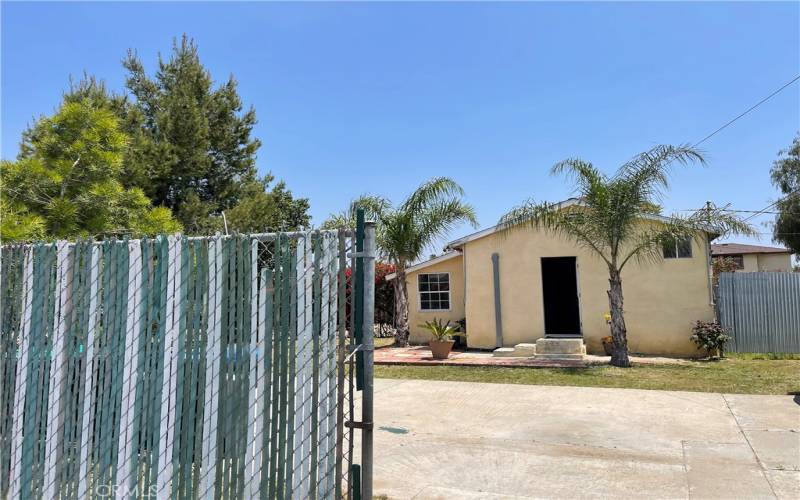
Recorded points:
(181,367)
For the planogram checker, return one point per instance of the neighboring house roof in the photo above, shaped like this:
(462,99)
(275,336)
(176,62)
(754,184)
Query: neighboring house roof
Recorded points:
(563,204)
(445,256)
(739,248)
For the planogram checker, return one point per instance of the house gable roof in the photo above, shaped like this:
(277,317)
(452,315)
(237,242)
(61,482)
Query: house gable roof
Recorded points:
(563,204)
(740,248)
(416,267)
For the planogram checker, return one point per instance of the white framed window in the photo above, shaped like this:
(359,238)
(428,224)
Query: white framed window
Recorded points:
(434,291)
(678,249)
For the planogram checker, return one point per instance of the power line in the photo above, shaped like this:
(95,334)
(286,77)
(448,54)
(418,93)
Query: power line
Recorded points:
(751,108)
(764,210)
(725,210)
(771,205)
(737,211)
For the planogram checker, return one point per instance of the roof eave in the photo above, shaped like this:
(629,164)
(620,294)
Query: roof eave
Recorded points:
(460,242)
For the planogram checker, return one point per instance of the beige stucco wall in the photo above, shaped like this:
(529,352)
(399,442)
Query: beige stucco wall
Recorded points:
(454,266)
(750,263)
(661,300)
(775,262)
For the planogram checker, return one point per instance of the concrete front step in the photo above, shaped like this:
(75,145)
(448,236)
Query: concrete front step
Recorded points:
(525,350)
(560,346)
(561,357)
(546,348)
(503,352)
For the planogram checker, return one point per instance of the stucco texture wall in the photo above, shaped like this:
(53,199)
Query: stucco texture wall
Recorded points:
(775,262)
(749,263)
(661,300)
(416,316)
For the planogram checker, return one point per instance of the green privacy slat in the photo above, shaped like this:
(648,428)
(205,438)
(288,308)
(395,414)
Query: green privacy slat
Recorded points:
(111,299)
(182,305)
(275,412)
(223,424)
(137,437)
(68,476)
(242,367)
(265,300)
(112,390)
(38,372)
(185,402)
(201,322)
(226,367)
(275,376)
(291,284)
(114,365)
(13,282)
(123,282)
(21,378)
(156,365)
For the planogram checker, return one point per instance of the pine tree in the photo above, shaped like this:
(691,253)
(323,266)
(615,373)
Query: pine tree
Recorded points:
(196,154)
(66,182)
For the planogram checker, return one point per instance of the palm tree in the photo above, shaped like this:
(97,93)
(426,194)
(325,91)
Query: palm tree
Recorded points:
(614,220)
(405,232)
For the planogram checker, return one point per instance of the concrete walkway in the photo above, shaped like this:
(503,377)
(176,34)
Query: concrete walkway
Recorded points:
(468,440)
(421,355)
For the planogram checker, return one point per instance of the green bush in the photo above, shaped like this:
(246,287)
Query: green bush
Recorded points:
(711,336)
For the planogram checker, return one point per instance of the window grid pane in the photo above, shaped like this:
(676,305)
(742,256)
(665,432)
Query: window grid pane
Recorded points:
(669,250)
(685,248)
(434,291)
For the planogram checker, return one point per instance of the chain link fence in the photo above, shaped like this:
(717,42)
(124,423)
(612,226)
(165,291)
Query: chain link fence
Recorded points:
(178,367)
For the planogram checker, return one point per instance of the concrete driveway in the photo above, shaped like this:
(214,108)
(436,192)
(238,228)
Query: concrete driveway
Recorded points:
(468,440)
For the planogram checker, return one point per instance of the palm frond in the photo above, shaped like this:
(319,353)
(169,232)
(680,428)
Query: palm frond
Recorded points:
(648,172)
(580,171)
(579,224)
(441,217)
(646,245)
(374,208)
(436,189)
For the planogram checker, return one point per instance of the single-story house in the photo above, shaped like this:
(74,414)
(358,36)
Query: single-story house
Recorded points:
(520,285)
(754,258)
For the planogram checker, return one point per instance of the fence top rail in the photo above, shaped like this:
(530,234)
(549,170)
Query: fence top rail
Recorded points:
(253,236)
(759,275)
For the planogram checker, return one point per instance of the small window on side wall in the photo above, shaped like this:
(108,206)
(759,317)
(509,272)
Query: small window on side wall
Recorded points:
(678,249)
(434,291)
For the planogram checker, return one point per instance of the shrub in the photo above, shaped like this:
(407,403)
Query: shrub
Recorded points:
(440,330)
(384,294)
(723,265)
(711,336)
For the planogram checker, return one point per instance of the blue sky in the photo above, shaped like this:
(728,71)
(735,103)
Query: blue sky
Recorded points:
(378,97)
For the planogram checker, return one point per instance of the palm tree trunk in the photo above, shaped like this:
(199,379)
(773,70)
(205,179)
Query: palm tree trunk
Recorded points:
(619,334)
(400,307)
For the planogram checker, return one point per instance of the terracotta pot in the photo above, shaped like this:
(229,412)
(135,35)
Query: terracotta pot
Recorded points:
(441,348)
(608,347)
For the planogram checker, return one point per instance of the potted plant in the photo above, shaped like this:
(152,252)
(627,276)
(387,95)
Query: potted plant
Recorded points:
(608,344)
(442,337)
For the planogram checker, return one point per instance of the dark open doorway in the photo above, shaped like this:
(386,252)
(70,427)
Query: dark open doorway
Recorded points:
(560,287)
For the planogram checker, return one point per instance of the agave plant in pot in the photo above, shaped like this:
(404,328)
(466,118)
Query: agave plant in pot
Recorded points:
(442,334)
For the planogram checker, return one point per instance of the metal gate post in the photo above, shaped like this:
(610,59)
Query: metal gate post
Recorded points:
(368,349)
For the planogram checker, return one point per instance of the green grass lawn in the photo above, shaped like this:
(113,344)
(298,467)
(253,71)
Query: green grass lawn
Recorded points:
(740,373)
